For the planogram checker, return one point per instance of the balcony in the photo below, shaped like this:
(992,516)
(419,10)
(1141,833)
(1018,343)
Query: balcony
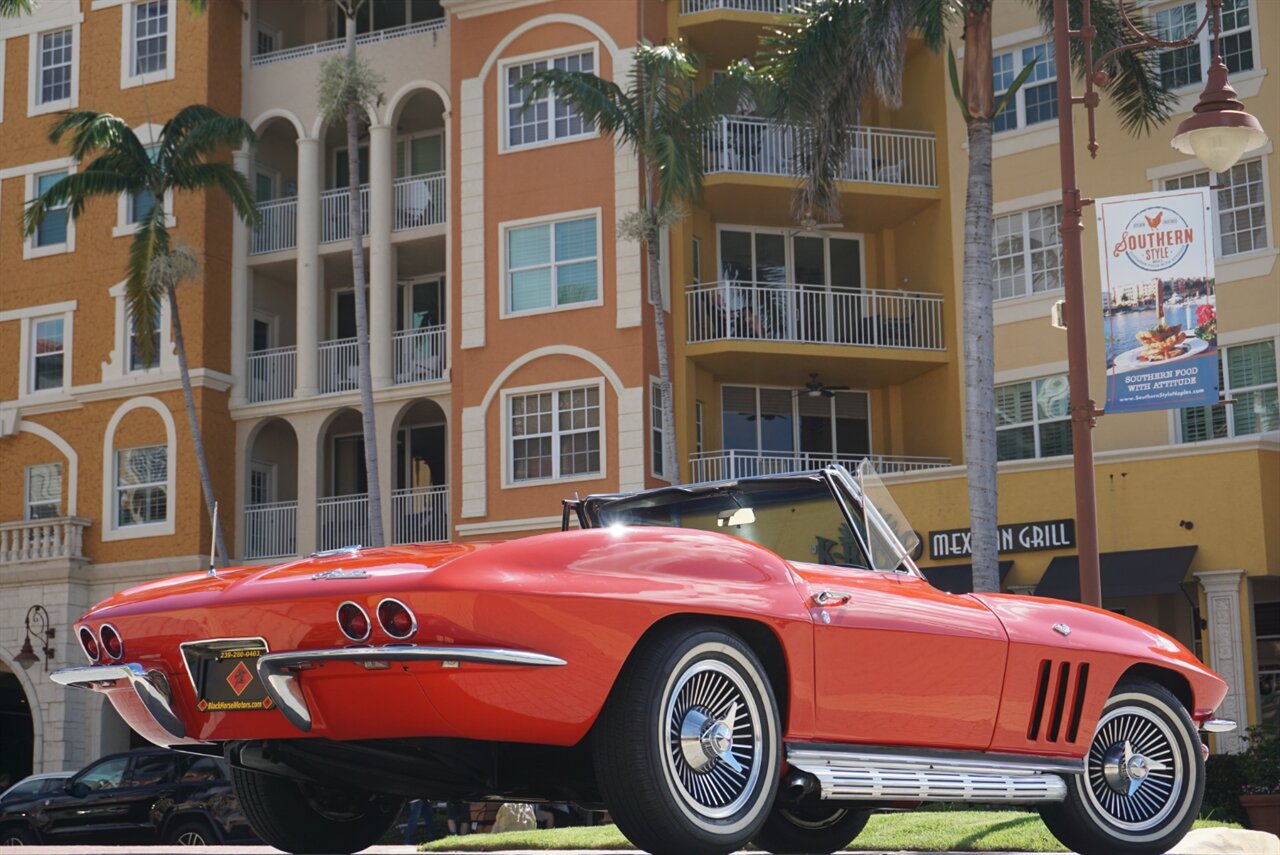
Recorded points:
(334,45)
(270,530)
(342,521)
(42,540)
(763,7)
(724,465)
(803,314)
(421,355)
(339,367)
(420,514)
(419,202)
(272,374)
(754,146)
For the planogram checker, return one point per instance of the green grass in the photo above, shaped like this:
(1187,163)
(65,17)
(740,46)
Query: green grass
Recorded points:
(921,831)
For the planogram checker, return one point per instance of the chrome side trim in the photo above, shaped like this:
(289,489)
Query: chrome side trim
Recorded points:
(1218,725)
(871,775)
(276,669)
(94,676)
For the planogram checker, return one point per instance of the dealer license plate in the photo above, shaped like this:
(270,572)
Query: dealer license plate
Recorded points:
(226,676)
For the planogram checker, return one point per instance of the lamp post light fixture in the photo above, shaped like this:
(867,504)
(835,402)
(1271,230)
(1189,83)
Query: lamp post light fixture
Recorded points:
(1219,132)
(43,635)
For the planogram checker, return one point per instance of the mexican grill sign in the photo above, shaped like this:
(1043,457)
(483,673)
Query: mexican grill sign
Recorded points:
(1016,537)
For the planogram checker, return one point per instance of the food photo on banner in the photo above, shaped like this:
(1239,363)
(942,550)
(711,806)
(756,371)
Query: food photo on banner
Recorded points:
(1159,312)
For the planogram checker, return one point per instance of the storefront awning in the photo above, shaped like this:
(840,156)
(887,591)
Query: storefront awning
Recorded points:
(1138,572)
(958,578)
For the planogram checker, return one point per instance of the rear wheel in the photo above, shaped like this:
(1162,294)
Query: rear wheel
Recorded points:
(299,817)
(810,827)
(1143,777)
(192,832)
(17,837)
(687,747)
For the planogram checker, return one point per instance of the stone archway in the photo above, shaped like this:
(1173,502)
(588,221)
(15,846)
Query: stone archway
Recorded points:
(17,728)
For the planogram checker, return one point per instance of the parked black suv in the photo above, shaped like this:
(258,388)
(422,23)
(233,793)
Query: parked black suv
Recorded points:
(145,796)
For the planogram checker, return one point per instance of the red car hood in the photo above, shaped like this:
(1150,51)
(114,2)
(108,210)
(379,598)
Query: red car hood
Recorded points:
(260,582)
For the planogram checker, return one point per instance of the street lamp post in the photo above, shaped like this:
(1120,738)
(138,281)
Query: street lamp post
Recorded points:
(1218,132)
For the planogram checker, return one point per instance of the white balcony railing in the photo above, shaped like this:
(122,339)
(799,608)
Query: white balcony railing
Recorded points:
(421,355)
(420,201)
(271,530)
(335,213)
(814,315)
(342,521)
(315,48)
(272,374)
(279,227)
(724,465)
(42,540)
(420,514)
(339,366)
(876,155)
(765,7)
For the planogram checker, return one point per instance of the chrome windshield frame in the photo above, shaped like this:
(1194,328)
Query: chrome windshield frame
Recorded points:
(841,480)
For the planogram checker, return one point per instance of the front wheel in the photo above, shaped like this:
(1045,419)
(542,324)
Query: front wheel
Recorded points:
(687,747)
(298,817)
(1143,777)
(810,827)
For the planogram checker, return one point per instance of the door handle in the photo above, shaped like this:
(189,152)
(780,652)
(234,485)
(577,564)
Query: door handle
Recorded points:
(831,598)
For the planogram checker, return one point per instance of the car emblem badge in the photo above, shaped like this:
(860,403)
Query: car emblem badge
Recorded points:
(239,679)
(1062,629)
(339,573)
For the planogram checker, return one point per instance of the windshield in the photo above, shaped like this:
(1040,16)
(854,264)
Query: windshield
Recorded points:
(891,538)
(798,518)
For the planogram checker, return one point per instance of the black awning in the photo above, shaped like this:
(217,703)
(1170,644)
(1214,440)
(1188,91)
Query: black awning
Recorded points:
(958,578)
(1138,572)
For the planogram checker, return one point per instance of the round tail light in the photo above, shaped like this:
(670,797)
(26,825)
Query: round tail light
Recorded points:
(353,621)
(89,643)
(396,619)
(112,643)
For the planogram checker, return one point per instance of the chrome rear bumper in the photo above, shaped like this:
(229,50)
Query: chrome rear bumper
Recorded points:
(279,670)
(100,677)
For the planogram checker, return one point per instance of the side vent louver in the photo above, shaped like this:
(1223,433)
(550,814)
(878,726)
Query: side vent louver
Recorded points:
(1057,702)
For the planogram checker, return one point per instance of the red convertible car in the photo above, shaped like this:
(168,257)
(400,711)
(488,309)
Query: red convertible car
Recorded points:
(749,661)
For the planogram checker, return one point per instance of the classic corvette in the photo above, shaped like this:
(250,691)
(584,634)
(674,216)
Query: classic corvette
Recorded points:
(748,661)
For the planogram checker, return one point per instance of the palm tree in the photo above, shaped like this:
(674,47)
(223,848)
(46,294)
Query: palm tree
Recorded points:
(830,60)
(347,86)
(14,8)
(662,116)
(182,159)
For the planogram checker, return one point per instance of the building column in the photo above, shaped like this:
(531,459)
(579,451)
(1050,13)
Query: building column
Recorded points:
(240,301)
(1226,649)
(386,430)
(382,287)
(310,275)
(307,430)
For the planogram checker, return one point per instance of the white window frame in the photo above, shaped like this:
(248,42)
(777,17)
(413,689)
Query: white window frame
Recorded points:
(504,228)
(1227,393)
(34,106)
(27,503)
(117,489)
(34,358)
(148,135)
(504,146)
(1019,104)
(270,470)
(32,176)
(1028,279)
(128,45)
(27,318)
(508,482)
(407,140)
(117,365)
(1204,40)
(1215,178)
(656,437)
(272,32)
(1036,421)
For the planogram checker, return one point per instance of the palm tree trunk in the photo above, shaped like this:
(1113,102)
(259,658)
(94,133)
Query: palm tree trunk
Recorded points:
(218,559)
(356,209)
(670,462)
(979,327)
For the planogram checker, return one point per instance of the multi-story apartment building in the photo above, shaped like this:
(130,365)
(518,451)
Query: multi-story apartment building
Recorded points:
(98,485)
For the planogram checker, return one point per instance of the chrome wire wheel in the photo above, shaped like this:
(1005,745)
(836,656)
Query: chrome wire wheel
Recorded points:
(191,838)
(1134,769)
(712,736)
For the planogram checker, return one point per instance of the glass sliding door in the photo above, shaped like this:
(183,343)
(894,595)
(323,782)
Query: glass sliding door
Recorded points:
(773,430)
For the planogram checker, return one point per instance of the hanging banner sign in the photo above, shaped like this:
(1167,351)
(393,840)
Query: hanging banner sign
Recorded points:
(1159,313)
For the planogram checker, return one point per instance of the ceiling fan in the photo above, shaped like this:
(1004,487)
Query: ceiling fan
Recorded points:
(816,388)
(811,226)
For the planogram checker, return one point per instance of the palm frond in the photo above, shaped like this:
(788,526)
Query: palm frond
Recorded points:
(14,8)
(93,131)
(1135,88)
(233,184)
(198,131)
(74,191)
(144,291)
(597,100)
